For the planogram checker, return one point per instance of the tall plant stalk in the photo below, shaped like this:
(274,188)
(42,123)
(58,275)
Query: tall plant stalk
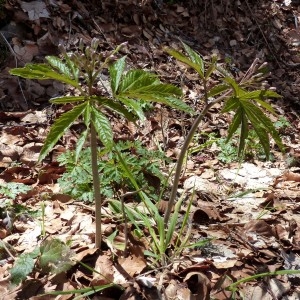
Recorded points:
(183,153)
(96,186)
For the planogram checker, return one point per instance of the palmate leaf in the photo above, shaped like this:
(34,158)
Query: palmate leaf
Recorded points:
(235,124)
(154,92)
(239,121)
(59,128)
(116,71)
(258,96)
(244,133)
(102,126)
(262,125)
(42,71)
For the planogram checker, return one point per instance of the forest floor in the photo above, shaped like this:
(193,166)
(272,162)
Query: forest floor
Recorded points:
(249,208)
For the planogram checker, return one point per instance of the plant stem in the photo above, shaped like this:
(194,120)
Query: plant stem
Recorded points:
(183,152)
(96,187)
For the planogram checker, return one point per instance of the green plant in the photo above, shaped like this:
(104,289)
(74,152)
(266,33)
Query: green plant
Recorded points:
(51,256)
(144,165)
(165,243)
(238,97)
(81,70)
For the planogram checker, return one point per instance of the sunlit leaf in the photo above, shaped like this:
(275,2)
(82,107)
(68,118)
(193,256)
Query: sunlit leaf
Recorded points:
(136,79)
(244,134)
(262,126)
(211,68)
(23,266)
(42,71)
(61,66)
(59,127)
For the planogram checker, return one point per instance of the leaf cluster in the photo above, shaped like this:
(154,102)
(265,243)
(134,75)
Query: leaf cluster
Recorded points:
(52,256)
(77,180)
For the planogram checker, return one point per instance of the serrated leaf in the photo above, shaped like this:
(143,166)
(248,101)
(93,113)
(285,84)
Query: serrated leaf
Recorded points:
(195,58)
(55,256)
(72,66)
(67,99)
(102,126)
(56,63)
(136,79)
(59,128)
(116,71)
(176,103)
(23,266)
(184,59)
(134,106)
(42,72)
